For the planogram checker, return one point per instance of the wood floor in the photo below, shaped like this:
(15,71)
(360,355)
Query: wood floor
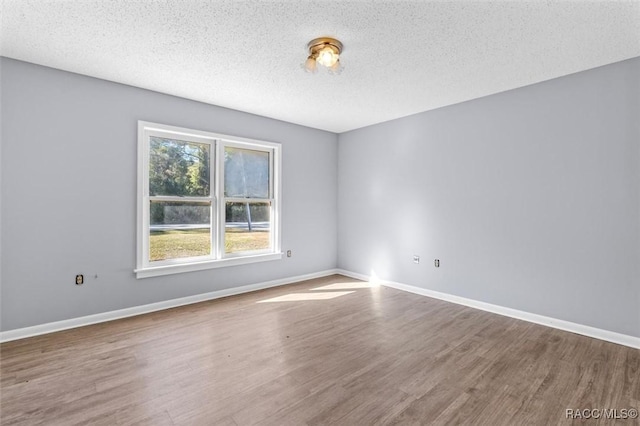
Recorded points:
(326,351)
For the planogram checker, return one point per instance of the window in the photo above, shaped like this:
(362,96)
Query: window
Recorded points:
(204,200)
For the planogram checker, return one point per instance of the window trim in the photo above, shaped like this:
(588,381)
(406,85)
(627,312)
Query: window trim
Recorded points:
(218,258)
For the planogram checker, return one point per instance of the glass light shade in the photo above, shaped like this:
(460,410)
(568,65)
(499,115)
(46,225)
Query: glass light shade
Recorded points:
(336,68)
(310,65)
(327,56)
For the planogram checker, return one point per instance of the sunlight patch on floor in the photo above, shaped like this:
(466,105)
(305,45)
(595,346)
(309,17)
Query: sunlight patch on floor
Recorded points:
(346,286)
(296,297)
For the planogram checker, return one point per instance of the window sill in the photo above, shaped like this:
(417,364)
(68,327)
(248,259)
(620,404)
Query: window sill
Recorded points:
(154,271)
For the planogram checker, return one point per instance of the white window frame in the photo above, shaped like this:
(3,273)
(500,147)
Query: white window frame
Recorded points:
(218,258)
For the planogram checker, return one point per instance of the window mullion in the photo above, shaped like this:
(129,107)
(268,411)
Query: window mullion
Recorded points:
(220,213)
(213,179)
(247,200)
(181,199)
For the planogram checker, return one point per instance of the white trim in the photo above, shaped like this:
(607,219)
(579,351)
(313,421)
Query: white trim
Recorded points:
(276,195)
(249,200)
(585,330)
(356,275)
(173,199)
(183,131)
(36,330)
(177,268)
(220,206)
(142,242)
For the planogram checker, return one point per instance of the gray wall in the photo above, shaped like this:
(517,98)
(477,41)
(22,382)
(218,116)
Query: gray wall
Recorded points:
(530,199)
(69,147)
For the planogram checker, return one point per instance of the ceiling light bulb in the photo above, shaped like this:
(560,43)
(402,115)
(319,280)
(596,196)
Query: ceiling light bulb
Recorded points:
(310,65)
(327,56)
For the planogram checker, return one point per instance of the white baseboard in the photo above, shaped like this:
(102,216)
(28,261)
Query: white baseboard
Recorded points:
(51,327)
(585,330)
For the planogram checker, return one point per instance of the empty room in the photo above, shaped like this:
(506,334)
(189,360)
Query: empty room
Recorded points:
(319,212)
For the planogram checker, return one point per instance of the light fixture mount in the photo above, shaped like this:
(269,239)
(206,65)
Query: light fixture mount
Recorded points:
(326,52)
(317,44)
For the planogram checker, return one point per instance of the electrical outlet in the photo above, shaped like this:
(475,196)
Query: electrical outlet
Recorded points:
(436,263)
(79,279)
(288,253)
(416,258)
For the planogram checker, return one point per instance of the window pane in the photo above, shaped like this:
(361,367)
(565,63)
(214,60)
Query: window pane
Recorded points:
(246,173)
(178,168)
(247,227)
(179,230)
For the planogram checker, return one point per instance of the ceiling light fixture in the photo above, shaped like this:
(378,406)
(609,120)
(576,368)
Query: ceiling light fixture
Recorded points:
(326,52)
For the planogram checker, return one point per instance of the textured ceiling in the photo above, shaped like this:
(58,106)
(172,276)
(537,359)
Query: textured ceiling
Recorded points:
(400,58)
